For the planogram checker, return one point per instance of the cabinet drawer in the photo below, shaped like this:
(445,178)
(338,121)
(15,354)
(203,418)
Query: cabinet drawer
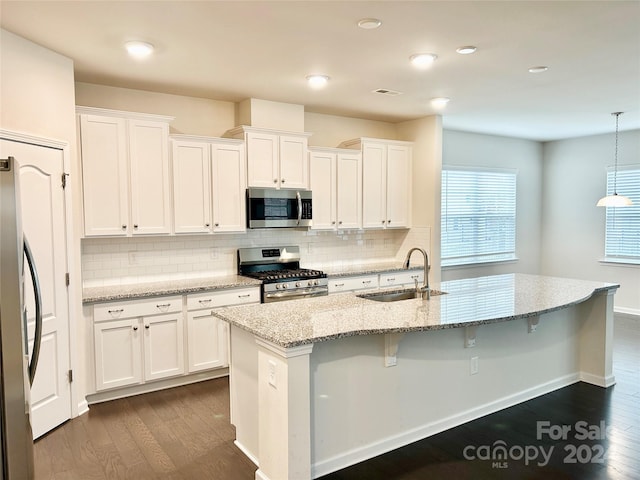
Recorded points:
(222,298)
(136,308)
(346,284)
(392,279)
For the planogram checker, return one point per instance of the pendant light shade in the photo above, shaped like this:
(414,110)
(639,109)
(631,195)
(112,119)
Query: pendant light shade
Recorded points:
(615,200)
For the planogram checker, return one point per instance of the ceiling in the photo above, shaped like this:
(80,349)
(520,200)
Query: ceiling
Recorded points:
(232,50)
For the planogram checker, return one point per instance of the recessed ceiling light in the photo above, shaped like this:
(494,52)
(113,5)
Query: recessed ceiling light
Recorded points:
(423,60)
(538,69)
(369,23)
(139,49)
(466,50)
(439,102)
(317,81)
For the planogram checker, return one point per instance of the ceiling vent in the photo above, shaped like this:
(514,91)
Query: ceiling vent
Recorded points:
(386,91)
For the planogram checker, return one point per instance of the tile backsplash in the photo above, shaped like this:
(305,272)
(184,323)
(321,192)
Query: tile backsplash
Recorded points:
(114,261)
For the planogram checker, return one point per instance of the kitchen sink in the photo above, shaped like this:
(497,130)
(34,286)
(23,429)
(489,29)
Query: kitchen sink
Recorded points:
(396,295)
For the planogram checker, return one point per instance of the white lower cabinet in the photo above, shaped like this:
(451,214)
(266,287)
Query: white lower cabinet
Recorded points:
(138,341)
(207,336)
(401,279)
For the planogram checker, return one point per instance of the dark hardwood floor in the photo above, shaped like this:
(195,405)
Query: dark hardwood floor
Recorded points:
(184,433)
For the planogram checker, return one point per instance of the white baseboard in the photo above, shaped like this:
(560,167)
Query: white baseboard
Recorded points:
(598,380)
(385,445)
(83,407)
(155,386)
(627,313)
(244,450)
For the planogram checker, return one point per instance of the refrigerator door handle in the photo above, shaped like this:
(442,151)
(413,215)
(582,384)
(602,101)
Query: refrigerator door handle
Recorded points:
(33,364)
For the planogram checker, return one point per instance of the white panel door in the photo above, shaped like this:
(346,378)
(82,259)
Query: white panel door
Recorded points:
(322,180)
(118,353)
(228,191)
(349,190)
(149,167)
(374,190)
(207,341)
(294,172)
(262,160)
(105,188)
(191,187)
(43,223)
(163,346)
(398,185)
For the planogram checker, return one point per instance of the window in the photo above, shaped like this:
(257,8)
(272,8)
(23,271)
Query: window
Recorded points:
(622,237)
(478,215)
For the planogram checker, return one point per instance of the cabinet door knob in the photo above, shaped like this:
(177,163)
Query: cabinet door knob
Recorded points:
(282,180)
(147,327)
(388,221)
(207,225)
(124,227)
(135,328)
(333,223)
(216,224)
(340,222)
(275,180)
(135,226)
(383,222)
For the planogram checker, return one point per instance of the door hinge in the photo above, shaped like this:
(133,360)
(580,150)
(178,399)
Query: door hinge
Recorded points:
(64,180)
(70,374)
(66,279)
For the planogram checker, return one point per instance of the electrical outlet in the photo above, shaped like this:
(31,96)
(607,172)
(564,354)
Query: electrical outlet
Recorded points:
(473,367)
(133,257)
(213,253)
(272,373)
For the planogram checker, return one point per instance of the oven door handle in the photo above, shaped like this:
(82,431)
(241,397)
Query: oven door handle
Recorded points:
(299,207)
(306,292)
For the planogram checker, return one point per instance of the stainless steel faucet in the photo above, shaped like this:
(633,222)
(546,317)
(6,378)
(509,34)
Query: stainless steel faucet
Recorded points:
(424,290)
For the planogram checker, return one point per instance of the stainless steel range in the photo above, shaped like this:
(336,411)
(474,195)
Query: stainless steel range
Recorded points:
(280,272)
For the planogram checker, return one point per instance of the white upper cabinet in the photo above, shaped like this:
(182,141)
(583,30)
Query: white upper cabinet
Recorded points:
(336,183)
(208,184)
(125,172)
(386,182)
(275,159)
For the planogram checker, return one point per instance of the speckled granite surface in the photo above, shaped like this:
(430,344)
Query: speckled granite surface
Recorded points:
(469,302)
(171,287)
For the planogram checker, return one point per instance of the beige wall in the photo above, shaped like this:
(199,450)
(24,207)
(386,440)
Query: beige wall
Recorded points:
(193,116)
(37,97)
(331,130)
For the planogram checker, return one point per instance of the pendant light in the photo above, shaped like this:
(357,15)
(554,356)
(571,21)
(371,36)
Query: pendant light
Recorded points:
(615,200)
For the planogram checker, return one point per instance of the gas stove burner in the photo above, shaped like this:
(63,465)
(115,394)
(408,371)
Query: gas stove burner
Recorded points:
(279,270)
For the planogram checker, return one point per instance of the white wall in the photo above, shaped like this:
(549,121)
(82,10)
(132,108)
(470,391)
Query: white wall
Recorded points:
(477,150)
(574,228)
(194,116)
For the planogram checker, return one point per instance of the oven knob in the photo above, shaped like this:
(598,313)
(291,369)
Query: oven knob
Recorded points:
(310,283)
(284,285)
(297,284)
(278,286)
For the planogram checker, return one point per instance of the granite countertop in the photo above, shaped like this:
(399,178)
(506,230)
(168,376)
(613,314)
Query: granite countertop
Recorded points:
(168,287)
(132,291)
(469,302)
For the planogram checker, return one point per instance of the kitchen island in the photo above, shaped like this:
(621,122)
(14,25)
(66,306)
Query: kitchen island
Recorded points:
(322,383)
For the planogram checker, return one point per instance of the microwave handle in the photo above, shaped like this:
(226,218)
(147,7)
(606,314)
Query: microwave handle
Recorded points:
(299,207)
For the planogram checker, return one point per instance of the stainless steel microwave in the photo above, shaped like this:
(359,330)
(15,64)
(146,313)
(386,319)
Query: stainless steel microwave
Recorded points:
(271,208)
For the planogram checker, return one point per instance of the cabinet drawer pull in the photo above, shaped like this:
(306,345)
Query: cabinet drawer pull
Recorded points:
(202,302)
(163,307)
(339,284)
(118,310)
(246,295)
(366,281)
(392,279)
(415,276)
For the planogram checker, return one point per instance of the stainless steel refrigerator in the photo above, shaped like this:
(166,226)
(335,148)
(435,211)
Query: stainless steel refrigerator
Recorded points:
(17,370)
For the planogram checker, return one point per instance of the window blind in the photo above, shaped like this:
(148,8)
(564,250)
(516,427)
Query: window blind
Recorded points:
(622,238)
(478,216)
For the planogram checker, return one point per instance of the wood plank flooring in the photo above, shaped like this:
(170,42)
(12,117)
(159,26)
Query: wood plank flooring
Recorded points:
(184,433)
